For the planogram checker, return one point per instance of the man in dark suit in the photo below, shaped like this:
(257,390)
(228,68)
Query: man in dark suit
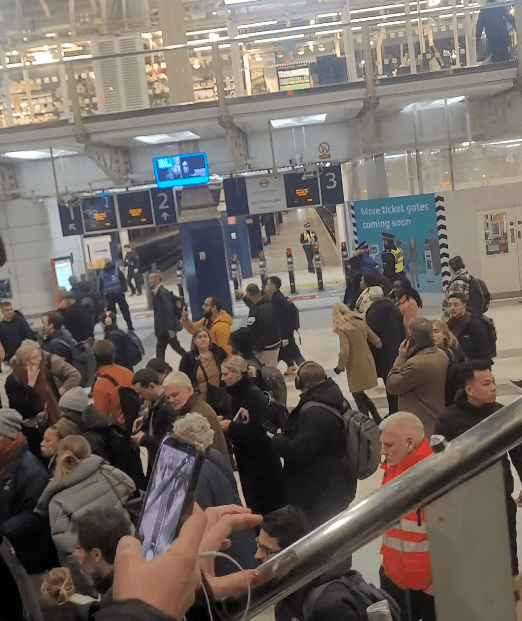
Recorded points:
(166,318)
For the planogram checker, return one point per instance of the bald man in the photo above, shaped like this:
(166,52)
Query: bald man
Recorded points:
(406,565)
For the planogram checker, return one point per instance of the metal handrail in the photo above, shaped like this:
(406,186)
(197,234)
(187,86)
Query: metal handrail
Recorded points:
(331,544)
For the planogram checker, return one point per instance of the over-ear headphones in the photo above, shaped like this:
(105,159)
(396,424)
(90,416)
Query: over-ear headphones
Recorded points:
(298,383)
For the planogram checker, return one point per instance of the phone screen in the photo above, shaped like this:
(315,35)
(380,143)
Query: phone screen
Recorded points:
(160,520)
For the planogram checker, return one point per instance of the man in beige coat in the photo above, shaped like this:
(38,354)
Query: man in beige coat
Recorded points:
(418,375)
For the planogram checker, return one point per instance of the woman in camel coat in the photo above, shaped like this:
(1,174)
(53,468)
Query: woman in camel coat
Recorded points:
(355,356)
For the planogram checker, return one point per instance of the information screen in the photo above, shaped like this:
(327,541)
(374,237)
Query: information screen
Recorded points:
(99,214)
(301,192)
(135,209)
(173,171)
(63,270)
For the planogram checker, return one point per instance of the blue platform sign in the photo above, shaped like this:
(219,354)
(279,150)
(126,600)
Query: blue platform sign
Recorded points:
(413,221)
(71,220)
(331,182)
(163,206)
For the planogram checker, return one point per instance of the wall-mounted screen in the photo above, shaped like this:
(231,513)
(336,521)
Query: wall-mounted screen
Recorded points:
(301,191)
(173,171)
(135,209)
(99,213)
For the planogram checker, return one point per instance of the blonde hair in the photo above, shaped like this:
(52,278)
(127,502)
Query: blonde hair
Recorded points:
(449,338)
(58,586)
(194,428)
(71,451)
(235,363)
(23,353)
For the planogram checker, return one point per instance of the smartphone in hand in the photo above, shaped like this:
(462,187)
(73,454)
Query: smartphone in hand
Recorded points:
(170,494)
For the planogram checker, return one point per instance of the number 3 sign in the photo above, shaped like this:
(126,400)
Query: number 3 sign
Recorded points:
(331,185)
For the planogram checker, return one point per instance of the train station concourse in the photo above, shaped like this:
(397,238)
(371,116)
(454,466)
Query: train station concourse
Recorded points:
(227,141)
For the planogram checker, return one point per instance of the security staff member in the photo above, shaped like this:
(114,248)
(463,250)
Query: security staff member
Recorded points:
(392,258)
(308,239)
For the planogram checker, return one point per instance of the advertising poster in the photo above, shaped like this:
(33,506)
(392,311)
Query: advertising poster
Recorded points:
(413,221)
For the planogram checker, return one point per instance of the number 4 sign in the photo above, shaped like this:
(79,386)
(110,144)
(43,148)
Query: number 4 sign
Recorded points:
(331,185)
(163,206)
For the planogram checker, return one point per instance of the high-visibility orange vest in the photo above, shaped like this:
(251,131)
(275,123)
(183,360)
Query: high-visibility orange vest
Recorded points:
(405,548)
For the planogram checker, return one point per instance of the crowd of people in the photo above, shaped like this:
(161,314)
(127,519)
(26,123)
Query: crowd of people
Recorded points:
(75,461)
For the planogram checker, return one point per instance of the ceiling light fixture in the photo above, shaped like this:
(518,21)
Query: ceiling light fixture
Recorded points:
(213,36)
(166,138)
(38,154)
(436,103)
(298,121)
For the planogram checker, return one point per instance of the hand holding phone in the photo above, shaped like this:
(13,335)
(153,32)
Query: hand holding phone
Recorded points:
(170,494)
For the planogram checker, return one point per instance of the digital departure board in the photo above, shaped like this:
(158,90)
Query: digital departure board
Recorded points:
(135,209)
(301,191)
(99,213)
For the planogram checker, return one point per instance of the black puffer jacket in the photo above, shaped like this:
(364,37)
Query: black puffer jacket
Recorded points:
(259,468)
(385,319)
(21,486)
(318,476)
(117,337)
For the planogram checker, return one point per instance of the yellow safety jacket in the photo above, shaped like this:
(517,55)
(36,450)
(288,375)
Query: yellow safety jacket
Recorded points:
(398,255)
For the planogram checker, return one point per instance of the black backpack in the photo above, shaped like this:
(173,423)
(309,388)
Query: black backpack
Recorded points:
(479,296)
(293,312)
(82,359)
(278,414)
(129,401)
(362,595)
(177,304)
(134,350)
(489,324)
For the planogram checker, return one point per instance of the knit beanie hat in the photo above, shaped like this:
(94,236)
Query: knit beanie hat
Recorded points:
(66,427)
(74,399)
(10,422)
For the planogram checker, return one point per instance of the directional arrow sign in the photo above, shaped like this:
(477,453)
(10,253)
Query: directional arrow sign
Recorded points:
(163,206)
(71,220)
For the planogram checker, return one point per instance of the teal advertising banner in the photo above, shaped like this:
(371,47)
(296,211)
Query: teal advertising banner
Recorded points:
(413,221)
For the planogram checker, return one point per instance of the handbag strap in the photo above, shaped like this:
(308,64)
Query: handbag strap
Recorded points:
(107,478)
(203,370)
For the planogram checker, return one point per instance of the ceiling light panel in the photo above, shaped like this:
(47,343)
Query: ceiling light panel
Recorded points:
(40,154)
(166,138)
(298,121)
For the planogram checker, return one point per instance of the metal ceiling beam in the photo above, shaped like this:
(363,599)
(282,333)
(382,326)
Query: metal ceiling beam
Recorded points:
(115,163)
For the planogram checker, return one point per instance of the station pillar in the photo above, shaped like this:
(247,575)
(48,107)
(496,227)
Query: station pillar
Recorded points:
(205,263)
(237,242)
